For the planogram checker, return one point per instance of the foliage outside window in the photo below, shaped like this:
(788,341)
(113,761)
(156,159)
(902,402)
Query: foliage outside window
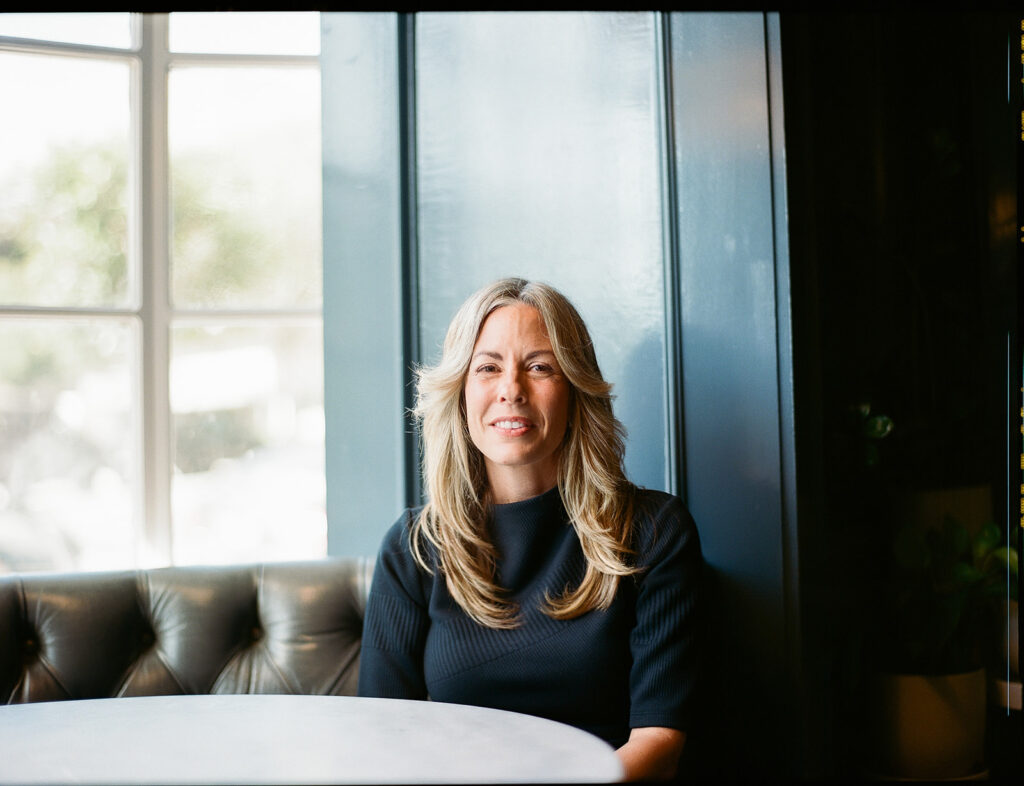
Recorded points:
(161,395)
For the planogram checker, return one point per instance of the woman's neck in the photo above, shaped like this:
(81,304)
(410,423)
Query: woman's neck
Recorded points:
(514,484)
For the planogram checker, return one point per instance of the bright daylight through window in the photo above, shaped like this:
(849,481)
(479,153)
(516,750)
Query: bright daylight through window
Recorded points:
(161,363)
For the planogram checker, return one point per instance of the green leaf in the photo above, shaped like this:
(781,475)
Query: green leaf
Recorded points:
(1005,559)
(985,541)
(965,574)
(878,427)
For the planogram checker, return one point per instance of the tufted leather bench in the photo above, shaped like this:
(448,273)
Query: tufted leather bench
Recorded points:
(287,627)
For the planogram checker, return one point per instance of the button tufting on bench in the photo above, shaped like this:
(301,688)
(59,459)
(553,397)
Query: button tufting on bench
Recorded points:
(183,629)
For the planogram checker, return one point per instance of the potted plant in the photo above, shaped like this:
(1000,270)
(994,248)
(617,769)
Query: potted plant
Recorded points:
(943,595)
(1007,657)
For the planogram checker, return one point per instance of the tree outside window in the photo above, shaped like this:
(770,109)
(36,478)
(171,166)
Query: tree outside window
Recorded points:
(194,242)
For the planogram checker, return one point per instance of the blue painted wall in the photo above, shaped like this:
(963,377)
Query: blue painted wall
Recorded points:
(363,362)
(733,310)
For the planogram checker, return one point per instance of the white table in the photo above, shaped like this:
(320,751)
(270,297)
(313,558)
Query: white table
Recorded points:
(290,739)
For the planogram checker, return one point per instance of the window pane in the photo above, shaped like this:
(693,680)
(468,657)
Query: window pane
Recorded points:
(247,404)
(251,32)
(537,144)
(63,181)
(69,439)
(93,28)
(245,187)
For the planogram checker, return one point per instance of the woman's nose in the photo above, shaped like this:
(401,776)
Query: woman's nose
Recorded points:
(511,389)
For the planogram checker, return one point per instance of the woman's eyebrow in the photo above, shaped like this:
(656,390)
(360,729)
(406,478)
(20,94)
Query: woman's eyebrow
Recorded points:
(498,356)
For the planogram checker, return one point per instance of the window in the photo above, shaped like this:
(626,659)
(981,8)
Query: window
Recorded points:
(161,363)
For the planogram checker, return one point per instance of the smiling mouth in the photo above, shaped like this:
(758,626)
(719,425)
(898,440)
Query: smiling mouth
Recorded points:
(512,426)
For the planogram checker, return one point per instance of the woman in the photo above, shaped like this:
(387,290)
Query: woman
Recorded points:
(536,578)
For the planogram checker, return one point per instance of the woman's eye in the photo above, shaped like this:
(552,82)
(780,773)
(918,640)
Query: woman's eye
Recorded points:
(487,369)
(542,368)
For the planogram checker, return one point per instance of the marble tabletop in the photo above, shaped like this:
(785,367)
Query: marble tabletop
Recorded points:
(262,739)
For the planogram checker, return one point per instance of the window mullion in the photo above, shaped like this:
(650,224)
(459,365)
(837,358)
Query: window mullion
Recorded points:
(155,312)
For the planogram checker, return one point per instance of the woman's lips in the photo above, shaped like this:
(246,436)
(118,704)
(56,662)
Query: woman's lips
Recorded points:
(511,426)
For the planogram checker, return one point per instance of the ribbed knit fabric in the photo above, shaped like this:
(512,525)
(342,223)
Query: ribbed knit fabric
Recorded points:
(631,665)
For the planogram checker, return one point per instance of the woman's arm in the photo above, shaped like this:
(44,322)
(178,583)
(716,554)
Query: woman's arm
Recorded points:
(652,753)
(664,640)
(395,624)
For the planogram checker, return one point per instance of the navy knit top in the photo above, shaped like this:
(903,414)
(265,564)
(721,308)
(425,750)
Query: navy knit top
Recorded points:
(631,665)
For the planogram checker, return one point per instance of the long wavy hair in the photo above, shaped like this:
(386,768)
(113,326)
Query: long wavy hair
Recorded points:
(591,481)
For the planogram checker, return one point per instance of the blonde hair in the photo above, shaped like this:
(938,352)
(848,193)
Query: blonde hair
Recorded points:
(591,480)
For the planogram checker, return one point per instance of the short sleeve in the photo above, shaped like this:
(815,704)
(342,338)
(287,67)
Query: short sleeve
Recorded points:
(664,640)
(396,622)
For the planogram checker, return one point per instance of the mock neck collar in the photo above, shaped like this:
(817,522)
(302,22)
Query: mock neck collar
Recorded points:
(529,506)
(525,533)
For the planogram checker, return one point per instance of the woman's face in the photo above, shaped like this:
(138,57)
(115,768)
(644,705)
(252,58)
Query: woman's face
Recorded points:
(517,403)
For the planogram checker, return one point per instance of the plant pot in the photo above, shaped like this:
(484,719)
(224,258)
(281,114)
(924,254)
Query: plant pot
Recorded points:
(928,727)
(1010,651)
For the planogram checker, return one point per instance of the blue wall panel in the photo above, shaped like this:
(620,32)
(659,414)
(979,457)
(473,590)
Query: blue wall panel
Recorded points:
(727,293)
(363,362)
(729,308)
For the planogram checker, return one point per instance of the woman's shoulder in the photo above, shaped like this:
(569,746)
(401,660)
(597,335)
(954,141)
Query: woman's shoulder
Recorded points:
(398,538)
(661,521)
(403,524)
(400,542)
(651,506)
(398,572)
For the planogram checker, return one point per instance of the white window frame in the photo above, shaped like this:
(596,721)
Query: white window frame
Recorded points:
(149,220)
